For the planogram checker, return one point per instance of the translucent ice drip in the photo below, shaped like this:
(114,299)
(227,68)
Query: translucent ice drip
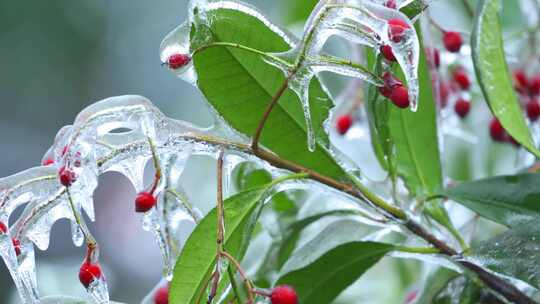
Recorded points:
(230,162)
(28,187)
(99,291)
(27,295)
(340,17)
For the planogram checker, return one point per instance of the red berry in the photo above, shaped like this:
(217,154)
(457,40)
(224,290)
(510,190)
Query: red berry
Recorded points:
(88,273)
(144,202)
(284,295)
(390,81)
(177,61)
(411,297)
(400,96)
(16,246)
(462,107)
(452,41)
(533,110)
(391,4)
(433,57)
(387,52)
(66,176)
(443,94)
(397,28)
(461,78)
(162,295)
(521,83)
(48,161)
(3,228)
(344,123)
(496,130)
(534,85)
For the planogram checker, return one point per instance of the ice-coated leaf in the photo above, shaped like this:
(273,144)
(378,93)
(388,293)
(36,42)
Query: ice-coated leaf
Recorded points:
(493,75)
(504,199)
(514,253)
(239,85)
(198,258)
(377,111)
(336,258)
(292,233)
(433,285)
(416,141)
(414,8)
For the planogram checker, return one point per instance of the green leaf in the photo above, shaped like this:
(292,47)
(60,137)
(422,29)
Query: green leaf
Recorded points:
(503,199)
(377,112)
(435,283)
(239,85)
(414,8)
(328,264)
(493,75)
(407,142)
(298,10)
(514,253)
(293,232)
(415,137)
(198,258)
(248,175)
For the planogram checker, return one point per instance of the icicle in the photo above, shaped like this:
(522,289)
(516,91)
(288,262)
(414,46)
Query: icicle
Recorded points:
(230,162)
(99,291)
(28,295)
(76,234)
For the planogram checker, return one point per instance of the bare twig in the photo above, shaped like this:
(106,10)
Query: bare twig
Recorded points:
(273,102)
(220,227)
(157,167)
(241,271)
(91,243)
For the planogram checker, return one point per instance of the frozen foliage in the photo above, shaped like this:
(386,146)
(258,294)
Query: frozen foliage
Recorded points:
(358,21)
(116,134)
(88,149)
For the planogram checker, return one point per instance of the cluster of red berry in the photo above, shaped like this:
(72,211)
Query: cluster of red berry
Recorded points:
(460,77)
(88,271)
(393,88)
(528,90)
(460,81)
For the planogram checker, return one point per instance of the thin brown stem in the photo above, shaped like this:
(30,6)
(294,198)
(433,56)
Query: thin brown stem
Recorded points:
(215,284)
(241,271)
(157,167)
(91,243)
(90,240)
(220,227)
(266,114)
(220,209)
